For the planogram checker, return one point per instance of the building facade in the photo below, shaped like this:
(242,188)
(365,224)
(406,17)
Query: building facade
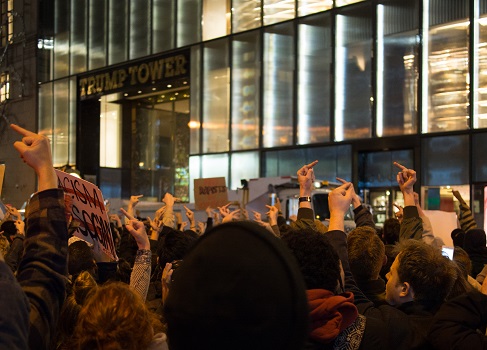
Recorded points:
(144,96)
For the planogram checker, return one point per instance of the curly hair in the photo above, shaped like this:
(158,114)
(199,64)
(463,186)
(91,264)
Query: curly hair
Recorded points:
(115,317)
(430,274)
(366,253)
(317,259)
(390,231)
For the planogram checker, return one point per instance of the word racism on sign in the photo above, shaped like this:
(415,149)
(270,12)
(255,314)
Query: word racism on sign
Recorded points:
(89,211)
(210,192)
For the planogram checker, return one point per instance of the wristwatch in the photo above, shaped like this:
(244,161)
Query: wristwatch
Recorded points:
(304,199)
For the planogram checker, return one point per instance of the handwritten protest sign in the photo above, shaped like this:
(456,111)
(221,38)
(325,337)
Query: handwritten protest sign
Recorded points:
(89,211)
(210,192)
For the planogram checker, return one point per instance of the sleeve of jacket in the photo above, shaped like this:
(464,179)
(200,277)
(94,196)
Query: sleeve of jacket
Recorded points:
(457,323)
(467,221)
(412,225)
(42,270)
(14,255)
(363,217)
(306,219)
(141,272)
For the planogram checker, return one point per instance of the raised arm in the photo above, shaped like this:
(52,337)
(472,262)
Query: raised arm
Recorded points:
(362,216)
(42,269)
(306,178)
(467,221)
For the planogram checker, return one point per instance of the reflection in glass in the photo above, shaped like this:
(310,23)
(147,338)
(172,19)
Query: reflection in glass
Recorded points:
(376,169)
(45,110)
(96,35)
(479,157)
(245,15)
(188,22)
(345,2)
(117,31)
(78,48)
(397,69)
(195,89)
(244,166)
(139,28)
(163,25)
(73,91)
(194,173)
(278,11)
(216,19)
(60,135)
(444,160)
(215,165)
(480,66)
(61,40)
(307,7)
(110,132)
(314,68)
(353,92)
(245,91)
(278,85)
(216,89)
(446,106)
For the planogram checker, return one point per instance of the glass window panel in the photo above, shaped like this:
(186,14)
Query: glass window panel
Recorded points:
(78,49)
(117,31)
(163,25)
(278,11)
(188,22)
(445,161)
(215,165)
(60,136)
(139,28)
(61,39)
(194,173)
(110,132)
(278,85)
(216,18)
(97,34)
(45,109)
(314,69)
(245,15)
(333,161)
(345,2)
(307,7)
(73,91)
(195,115)
(446,106)
(376,169)
(353,90)
(397,67)
(480,66)
(111,183)
(244,166)
(479,157)
(246,91)
(216,89)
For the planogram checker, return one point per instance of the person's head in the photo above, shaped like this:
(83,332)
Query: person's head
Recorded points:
(317,259)
(115,317)
(474,241)
(82,286)
(366,253)
(458,236)
(4,245)
(390,231)
(80,258)
(9,229)
(420,273)
(238,288)
(173,245)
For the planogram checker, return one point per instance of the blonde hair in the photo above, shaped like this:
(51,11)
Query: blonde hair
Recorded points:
(113,318)
(4,245)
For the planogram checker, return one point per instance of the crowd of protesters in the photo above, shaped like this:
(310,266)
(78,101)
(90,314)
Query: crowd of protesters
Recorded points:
(239,280)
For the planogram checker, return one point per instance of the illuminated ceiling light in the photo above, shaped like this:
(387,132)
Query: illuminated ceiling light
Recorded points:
(154,89)
(139,92)
(194,124)
(125,94)
(169,85)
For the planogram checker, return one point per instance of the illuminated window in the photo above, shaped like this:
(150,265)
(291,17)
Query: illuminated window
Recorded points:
(4,87)
(6,29)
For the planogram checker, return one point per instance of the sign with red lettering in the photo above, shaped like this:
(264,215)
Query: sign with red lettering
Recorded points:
(210,192)
(89,211)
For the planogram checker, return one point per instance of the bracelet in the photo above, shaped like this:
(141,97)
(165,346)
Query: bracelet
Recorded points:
(304,199)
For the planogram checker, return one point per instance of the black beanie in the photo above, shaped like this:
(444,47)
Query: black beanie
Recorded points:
(238,288)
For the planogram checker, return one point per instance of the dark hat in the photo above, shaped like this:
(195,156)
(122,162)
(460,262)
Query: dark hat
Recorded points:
(238,288)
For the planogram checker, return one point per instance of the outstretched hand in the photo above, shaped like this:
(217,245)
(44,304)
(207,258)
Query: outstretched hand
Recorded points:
(406,179)
(137,230)
(339,201)
(35,151)
(306,177)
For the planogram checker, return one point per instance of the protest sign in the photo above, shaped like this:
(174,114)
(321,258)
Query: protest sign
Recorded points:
(210,192)
(89,211)
(2,176)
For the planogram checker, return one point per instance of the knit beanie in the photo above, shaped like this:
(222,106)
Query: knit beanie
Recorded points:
(238,288)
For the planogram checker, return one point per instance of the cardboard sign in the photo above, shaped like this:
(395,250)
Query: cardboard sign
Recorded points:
(89,211)
(2,176)
(210,192)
